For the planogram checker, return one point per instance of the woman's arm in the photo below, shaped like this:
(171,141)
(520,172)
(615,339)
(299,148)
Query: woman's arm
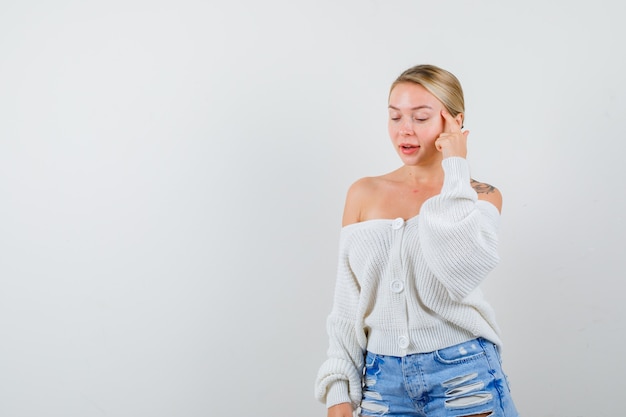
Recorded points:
(339,377)
(488,193)
(458,233)
(340,410)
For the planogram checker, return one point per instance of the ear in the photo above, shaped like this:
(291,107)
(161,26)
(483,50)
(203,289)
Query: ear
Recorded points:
(459,118)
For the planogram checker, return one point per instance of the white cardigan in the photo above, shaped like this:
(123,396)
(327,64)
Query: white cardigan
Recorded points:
(411,286)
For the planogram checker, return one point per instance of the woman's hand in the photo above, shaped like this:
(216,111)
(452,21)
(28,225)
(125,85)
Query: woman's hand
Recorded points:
(452,141)
(340,410)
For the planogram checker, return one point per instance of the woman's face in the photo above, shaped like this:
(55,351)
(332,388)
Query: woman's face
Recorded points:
(415,122)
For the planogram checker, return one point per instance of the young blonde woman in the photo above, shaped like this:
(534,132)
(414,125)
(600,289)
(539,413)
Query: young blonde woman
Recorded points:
(410,333)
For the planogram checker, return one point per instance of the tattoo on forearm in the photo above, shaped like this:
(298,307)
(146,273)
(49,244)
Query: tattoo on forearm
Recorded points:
(482,188)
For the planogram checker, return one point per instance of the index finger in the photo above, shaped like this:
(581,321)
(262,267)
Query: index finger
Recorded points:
(451,125)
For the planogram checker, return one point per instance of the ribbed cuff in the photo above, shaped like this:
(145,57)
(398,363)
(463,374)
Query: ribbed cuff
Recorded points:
(456,167)
(456,182)
(337,394)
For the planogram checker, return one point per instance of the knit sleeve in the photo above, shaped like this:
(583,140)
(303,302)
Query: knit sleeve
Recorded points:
(339,377)
(458,232)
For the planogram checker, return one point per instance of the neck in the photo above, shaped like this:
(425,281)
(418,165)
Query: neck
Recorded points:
(422,174)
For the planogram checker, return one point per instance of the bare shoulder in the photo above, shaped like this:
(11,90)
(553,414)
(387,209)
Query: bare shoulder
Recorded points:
(488,193)
(358,194)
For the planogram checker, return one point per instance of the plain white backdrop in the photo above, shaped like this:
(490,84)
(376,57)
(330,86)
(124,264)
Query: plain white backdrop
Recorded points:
(172,176)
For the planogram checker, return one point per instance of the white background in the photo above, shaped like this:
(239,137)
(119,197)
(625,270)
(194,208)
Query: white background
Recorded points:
(172,175)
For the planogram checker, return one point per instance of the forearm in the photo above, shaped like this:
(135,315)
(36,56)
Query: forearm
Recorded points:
(341,410)
(459,233)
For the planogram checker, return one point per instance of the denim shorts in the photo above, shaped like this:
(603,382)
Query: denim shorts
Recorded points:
(459,380)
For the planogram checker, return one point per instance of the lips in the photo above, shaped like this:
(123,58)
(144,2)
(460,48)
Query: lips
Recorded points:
(407,148)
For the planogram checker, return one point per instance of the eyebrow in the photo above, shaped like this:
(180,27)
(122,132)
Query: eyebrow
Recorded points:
(423,106)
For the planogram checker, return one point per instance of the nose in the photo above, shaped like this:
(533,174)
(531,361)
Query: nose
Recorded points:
(406,128)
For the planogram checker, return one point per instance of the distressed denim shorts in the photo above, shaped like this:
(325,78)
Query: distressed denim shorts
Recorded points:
(460,380)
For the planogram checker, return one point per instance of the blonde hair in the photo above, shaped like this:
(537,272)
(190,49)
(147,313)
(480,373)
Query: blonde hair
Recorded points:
(438,82)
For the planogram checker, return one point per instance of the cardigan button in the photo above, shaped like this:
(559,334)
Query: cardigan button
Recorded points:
(398,223)
(397,286)
(403,342)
